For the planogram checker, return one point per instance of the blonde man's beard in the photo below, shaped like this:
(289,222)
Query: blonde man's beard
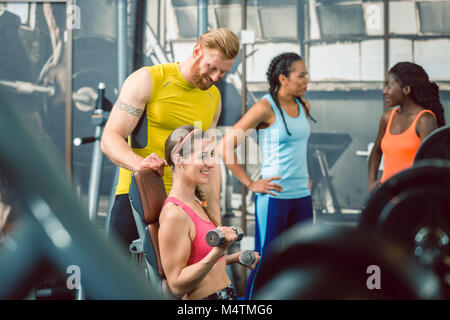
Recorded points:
(200,81)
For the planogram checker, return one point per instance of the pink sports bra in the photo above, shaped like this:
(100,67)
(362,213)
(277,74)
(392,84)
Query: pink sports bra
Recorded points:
(199,247)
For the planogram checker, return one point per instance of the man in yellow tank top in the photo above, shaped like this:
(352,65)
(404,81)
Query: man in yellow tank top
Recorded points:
(152,103)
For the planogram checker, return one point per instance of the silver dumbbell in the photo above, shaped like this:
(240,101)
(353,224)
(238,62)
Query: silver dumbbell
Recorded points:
(247,257)
(216,237)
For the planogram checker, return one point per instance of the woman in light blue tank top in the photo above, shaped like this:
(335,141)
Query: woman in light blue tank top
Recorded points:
(283,196)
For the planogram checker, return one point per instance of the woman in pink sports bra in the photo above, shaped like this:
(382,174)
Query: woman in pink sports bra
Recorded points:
(193,269)
(402,129)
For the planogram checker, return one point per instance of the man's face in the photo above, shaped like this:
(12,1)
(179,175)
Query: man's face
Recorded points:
(209,67)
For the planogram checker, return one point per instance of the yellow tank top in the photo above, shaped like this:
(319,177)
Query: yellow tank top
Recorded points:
(174,103)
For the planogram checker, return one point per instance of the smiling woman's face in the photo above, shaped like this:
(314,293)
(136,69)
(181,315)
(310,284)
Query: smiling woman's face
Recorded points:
(197,166)
(392,91)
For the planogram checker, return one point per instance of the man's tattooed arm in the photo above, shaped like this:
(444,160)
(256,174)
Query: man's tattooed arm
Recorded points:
(128,108)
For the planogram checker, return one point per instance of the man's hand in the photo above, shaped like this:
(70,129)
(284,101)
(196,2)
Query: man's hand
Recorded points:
(155,163)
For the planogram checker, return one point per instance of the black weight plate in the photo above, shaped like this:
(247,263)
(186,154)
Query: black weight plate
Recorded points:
(425,174)
(320,262)
(435,146)
(414,209)
(420,220)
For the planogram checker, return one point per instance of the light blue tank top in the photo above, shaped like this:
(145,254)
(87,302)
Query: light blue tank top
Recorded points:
(286,155)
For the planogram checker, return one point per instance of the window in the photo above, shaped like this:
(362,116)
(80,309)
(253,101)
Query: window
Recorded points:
(341,20)
(434,17)
(263,16)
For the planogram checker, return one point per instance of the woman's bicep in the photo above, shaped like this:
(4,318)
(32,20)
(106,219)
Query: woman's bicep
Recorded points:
(259,113)
(425,125)
(174,244)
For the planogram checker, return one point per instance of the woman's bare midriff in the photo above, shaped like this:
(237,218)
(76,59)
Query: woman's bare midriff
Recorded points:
(217,279)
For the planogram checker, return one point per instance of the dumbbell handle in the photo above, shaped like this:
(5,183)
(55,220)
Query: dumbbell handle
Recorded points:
(247,257)
(216,237)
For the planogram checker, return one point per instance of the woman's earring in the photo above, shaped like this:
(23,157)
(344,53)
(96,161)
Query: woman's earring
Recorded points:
(180,163)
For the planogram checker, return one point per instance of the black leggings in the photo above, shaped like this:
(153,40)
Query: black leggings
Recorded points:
(121,221)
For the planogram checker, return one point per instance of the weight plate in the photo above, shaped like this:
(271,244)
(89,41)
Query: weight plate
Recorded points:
(435,146)
(419,219)
(320,262)
(412,208)
(425,174)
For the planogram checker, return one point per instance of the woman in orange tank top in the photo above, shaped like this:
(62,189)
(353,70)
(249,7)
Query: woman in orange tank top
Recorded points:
(402,129)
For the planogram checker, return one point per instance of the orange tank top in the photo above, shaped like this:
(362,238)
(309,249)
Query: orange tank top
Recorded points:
(399,150)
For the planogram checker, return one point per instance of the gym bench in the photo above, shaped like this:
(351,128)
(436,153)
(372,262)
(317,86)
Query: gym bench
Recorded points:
(147,195)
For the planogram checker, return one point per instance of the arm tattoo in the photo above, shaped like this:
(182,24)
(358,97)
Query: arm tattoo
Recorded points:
(130,109)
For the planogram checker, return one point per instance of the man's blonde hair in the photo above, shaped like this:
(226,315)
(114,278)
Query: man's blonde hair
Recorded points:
(223,39)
